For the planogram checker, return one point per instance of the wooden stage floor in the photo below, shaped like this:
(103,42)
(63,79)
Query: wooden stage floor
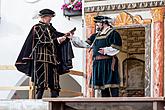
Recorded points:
(110,103)
(83,103)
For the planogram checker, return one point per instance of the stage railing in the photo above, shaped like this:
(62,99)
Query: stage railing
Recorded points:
(31,88)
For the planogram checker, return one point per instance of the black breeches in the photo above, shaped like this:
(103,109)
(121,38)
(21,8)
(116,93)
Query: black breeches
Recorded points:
(46,76)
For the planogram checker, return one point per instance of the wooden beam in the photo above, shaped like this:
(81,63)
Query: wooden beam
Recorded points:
(74,72)
(30,88)
(14,88)
(7,67)
(12,67)
(72,92)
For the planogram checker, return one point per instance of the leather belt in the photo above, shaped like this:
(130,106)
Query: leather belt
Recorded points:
(101,57)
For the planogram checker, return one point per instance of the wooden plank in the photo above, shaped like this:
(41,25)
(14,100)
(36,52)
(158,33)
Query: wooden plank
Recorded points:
(109,105)
(155,106)
(32,90)
(75,93)
(74,72)
(114,103)
(12,67)
(108,99)
(57,106)
(14,88)
(7,67)
(160,105)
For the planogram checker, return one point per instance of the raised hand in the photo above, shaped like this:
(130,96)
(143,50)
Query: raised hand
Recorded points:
(70,33)
(61,39)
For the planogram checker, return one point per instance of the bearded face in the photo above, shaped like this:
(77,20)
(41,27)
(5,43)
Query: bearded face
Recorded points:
(99,26)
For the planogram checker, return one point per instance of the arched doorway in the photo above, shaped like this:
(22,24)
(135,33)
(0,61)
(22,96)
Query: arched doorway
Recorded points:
(136,40)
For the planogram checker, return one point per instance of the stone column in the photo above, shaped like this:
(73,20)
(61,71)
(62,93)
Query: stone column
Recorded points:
(90,29)
(158,51)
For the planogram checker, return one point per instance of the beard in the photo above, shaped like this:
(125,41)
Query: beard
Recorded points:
(99,28)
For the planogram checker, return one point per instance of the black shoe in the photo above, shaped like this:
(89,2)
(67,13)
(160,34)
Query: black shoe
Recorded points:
(40,93)
(105,92)
(54,93)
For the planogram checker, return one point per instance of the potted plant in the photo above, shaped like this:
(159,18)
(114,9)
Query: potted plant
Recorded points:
(72,8)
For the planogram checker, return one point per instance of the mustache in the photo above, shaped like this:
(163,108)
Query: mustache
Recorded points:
(99,29)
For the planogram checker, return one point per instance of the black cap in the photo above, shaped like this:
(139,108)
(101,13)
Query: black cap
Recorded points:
(46,12)
(102,19)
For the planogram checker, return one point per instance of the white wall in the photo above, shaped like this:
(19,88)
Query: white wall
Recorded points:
(16,22)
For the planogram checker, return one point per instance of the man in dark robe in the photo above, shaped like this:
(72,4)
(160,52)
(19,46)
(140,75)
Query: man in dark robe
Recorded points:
(45,55)
(106,44)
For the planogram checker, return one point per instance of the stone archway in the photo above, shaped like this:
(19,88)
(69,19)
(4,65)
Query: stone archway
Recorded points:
(133,75)
(125,21)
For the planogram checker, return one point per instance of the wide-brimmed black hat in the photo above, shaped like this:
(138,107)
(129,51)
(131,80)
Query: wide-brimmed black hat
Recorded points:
(102,19)
(46,12)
